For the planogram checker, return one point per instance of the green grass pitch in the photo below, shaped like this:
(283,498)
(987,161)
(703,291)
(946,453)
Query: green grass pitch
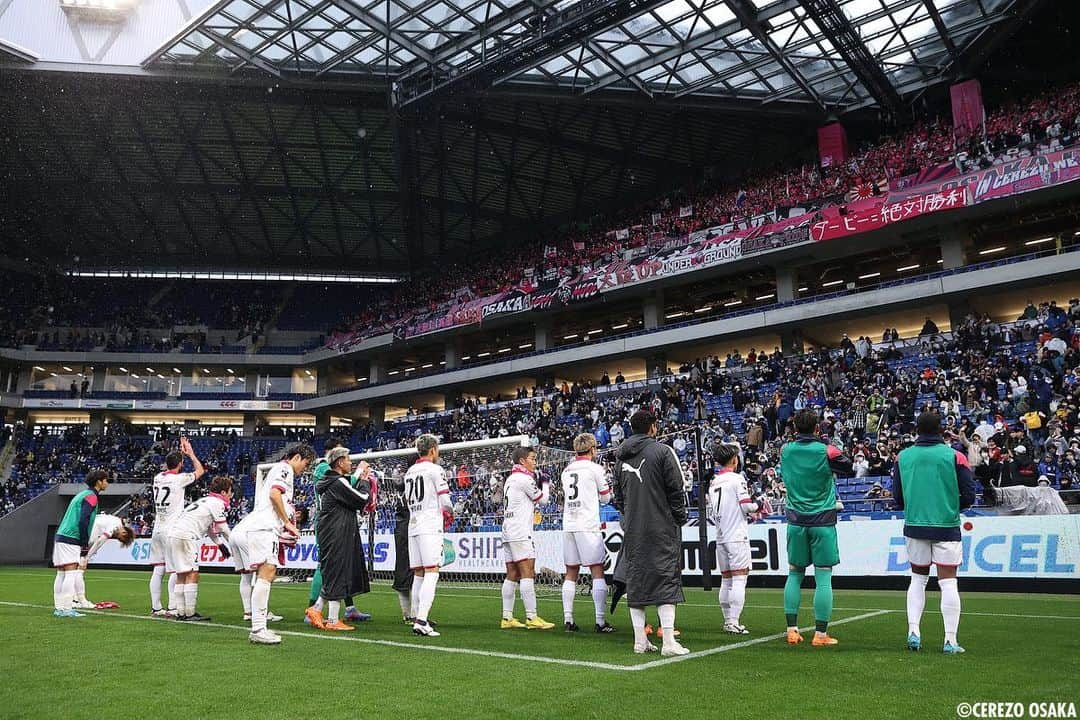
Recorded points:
(123,664)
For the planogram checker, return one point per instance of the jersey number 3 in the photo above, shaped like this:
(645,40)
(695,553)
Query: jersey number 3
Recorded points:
(573,487)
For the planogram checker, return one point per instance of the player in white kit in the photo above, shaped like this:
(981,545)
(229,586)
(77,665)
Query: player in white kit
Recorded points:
(203,518)
(430,513)
(729,505)
(585,486)
(520,498)
(254,542)
(106,527)
(168,488)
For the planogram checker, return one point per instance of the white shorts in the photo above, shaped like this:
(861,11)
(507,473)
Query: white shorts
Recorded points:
(252,549)
(425,551)
(65,554)
(732,556)
(181,556)
(518,550)
(923,553)
(158,548)
(583,547)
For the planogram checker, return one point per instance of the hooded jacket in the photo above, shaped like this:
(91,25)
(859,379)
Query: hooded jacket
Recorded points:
(649,493)
(341,553)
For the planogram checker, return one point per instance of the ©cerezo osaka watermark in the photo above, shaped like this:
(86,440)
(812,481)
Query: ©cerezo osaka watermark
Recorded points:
(984,709)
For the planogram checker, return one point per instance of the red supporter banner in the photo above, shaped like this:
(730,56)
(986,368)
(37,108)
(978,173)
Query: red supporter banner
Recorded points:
(967,105)
(870,219)
(832,144)
(942,171)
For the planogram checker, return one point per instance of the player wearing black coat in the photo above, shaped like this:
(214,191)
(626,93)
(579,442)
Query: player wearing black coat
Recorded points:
(650,496)
(341,553)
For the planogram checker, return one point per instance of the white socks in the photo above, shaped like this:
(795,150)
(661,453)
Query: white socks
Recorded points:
(68,589)
(170,602)
(737,597)
(569,588)
(528,597)
(60,602)
(725,598)
(427,594)
(509,591)
(667,622)
(155,587)
(180,605)
(417,583)
(637,618)
(260,602)
(599,598)
(916,601)
(319,603)
(80,586)
(245,591)
(950,608)
(405,600)
(191,595)
(334,611)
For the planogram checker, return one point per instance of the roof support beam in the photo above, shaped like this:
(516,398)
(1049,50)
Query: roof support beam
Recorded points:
(747,15)
(942,31)
(834,24)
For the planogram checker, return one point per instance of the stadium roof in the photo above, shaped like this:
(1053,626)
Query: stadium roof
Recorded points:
(831,53)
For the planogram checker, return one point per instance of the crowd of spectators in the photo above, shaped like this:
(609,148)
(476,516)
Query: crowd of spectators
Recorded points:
(136,315)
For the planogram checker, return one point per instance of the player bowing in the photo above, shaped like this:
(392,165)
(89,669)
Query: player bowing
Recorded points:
(254,541)
(521,496)
(729,504)
(203,518)
(430,513)
(106,527)
(168,488)
(585,487)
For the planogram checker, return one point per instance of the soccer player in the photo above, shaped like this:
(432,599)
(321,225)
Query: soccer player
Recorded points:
(585,487)
(729,504)
(254,542)
(520,498)
(203,518)
(430,513)
(932,483)
(341,551)
(403,574)
(72,541)
(168,488)
(808,465)
(106,527)
(650,495)
(315,599)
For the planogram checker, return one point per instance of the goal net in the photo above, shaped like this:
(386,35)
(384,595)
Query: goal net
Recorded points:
(472,547)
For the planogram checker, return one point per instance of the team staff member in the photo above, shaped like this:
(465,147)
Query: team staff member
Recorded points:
(932,483)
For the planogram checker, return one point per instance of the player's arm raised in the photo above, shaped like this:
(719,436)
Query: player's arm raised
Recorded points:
(442,490)
(185,447)
(749,507)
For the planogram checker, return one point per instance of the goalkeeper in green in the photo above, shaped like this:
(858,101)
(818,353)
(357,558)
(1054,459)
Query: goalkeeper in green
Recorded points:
(315,601)
(808,465)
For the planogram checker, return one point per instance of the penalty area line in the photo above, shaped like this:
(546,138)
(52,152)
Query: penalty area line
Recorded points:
(467,651)
(749,643)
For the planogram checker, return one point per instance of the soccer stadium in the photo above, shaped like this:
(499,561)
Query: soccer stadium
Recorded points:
(539,358)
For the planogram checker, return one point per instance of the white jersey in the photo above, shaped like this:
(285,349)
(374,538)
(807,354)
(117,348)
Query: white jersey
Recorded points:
(169,497)
(583,482)
(104,527)
(426,494)
(262,516)
(727,495)
(205,516)
(520,495)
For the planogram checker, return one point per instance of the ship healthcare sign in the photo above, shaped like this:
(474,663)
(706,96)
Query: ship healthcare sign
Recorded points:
(1030,546)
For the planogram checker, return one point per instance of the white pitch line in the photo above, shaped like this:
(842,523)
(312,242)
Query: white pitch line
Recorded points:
(465,651)
(749,643)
